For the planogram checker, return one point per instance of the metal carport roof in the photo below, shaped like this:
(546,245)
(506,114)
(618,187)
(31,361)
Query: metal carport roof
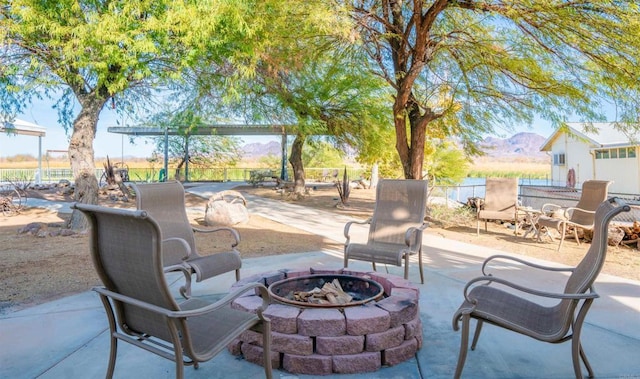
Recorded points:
(208,130)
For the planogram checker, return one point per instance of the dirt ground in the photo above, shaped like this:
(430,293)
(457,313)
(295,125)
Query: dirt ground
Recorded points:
(36,269)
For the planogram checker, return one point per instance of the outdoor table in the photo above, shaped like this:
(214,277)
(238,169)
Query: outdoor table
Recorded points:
(529,221)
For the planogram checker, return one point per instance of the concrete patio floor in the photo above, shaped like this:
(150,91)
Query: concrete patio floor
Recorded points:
(68,338)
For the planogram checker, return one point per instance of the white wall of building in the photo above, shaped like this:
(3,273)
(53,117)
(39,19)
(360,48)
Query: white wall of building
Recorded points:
(623,172)
(577,157)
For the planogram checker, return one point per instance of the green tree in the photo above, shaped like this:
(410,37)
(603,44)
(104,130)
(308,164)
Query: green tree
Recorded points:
(188,147)
(446,162)
(329,94)
(202,151)
(85,53)
(465,68)
(322,154)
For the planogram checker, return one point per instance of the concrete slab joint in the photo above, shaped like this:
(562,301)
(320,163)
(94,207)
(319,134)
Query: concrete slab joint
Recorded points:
(322,341)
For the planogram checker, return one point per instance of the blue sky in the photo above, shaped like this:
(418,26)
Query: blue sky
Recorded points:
(117,145)
(111,144)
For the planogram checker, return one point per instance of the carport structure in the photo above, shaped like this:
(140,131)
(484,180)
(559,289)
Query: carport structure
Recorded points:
(21,127)
(209,130)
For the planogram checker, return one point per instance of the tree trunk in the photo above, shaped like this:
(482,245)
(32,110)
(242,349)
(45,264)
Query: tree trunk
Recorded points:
(82,159)
(410,146)
(178,175)
(296,162)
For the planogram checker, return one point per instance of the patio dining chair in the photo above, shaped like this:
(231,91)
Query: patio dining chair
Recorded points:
(500,202)
(581,216)
(164,201)
(127,250)
(513,306)
(395,230)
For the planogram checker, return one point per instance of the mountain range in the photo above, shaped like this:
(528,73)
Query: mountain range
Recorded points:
(519,145)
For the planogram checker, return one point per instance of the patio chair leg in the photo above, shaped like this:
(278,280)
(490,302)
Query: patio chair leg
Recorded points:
(564,232)
(266,348)
(575,234)
(576,347)
(113,341)
(420,266)
(464,345)
(406,266)
(476,335)
(113,352)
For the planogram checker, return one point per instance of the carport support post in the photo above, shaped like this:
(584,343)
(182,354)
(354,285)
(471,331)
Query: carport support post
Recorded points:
(283,168)
(186,158)
(39,175)
(166,153)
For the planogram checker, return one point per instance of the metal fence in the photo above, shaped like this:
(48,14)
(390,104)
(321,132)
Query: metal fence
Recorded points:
(535,196)
(196,174)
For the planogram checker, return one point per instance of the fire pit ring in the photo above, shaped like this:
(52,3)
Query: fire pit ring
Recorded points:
(339,340)
(361,290)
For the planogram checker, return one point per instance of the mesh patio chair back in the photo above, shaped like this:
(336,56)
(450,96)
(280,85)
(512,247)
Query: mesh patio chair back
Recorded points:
(127,253)
(582,215)
(165,202)
(497,301)
(400,205)
(500,202)
(395,230)
(593,193)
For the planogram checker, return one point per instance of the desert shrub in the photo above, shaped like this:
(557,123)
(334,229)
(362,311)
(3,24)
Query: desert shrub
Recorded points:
(448,217)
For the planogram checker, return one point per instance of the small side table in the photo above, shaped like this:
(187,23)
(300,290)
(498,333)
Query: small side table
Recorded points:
(529,221)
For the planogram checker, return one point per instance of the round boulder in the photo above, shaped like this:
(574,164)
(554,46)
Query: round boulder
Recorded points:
(226,208)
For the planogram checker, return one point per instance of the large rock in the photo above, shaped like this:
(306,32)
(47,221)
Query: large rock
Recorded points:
(226,208)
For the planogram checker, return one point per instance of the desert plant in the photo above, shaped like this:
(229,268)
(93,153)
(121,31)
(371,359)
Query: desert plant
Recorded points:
(343,189)
(448,217)
(109,172)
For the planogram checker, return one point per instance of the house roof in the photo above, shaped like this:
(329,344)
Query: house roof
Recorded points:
(22,127)
(605,134)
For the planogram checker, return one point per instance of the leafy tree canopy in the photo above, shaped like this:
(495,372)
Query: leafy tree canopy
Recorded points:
(469,68)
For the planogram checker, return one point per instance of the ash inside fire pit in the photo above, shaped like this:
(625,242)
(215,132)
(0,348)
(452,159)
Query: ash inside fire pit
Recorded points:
(326,291)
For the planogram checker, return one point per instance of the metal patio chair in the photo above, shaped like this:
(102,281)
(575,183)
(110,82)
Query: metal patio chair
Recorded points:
(509,305)
(500,202)
(581,216)
(165,203)
(395,231)
(127,250)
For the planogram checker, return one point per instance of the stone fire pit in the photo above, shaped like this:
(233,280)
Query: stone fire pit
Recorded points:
(343,340)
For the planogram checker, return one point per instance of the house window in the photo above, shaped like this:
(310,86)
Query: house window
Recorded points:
(614,153)
(631,152)
(622,153)
(602,154)
(558,159)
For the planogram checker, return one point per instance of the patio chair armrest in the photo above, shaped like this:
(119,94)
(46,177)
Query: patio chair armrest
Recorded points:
(490,260)
(569,212)
(175,243)
(262,289)
(553,295)
(234,233)
(105,293)
(266,300)
(414,234)
(347,226)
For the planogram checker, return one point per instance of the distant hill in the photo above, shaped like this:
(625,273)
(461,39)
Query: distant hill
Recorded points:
(521,145)
(257,150)
(518,145)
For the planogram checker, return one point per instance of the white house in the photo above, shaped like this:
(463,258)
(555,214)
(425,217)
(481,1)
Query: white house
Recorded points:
(607,153)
